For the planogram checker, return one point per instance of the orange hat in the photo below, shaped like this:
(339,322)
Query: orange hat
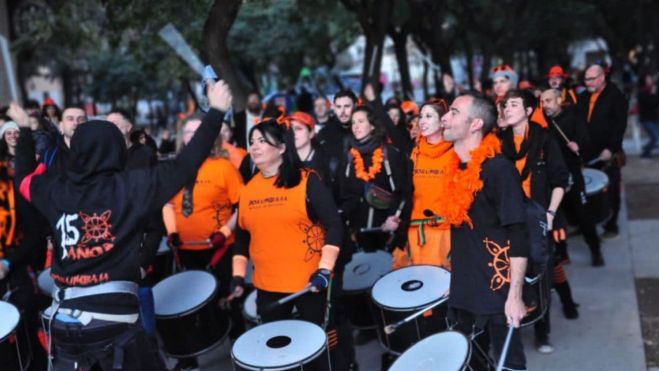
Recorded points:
(556,71)
(303,118)
(410,108)
(525,84)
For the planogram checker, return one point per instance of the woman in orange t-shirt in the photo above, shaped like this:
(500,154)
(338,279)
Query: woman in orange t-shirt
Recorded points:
(429,237)
(289,226)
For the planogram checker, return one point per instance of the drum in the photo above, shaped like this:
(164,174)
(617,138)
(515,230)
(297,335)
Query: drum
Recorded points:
(249,309)
(360,274)
(46,283)
(13,351)
(281,345)
(404,292)
(596,182)
(187,316)
(446,351)
(535,295)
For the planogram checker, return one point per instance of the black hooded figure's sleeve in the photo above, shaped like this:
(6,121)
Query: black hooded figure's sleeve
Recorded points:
(169,177)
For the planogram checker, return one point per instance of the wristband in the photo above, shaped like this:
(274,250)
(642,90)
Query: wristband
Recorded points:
(551,212)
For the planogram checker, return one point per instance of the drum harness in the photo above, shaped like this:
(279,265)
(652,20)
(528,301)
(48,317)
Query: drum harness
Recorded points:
(85,317)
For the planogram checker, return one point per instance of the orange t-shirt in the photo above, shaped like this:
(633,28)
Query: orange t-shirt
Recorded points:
(215,191)
(236,154)
(285,246)
(429,160)
(519,164)
(591,103)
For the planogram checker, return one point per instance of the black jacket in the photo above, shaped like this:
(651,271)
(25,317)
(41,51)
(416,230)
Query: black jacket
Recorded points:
(608,121)
(99,210)
(574,127)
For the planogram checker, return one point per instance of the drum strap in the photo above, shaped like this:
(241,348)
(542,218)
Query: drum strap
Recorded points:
(112,287)
(421,223)
(86,317)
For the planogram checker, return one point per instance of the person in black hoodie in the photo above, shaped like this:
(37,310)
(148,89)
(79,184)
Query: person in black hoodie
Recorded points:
(335,136)
(93,210)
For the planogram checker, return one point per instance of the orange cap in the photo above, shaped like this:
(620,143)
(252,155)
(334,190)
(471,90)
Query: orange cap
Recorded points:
(303,118)
(555,71)
(410,108)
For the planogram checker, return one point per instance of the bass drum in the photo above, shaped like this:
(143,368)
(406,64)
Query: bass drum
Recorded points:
(187,316)
(446,351)
(597,183)
(15,353)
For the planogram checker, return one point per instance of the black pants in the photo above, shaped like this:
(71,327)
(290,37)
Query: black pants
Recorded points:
(104,345)
(310,307)
(494,330)
(615,190)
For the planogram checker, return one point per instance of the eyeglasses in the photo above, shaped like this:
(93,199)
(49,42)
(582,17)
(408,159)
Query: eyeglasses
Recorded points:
(591,79)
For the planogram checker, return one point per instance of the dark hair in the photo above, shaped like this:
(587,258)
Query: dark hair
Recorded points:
(390,106)
(275,134)
(32,104)
(482,108)
(123,113)
(439,105)
(346,93)
(378,129)
(528,99)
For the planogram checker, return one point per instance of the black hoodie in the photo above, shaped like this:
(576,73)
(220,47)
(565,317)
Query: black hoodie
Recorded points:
(99,211)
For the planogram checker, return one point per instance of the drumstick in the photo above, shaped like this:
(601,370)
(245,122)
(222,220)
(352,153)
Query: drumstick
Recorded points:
(504,351)
(594,161)
(286,299)
(370,230)
(560,131)
(390,329)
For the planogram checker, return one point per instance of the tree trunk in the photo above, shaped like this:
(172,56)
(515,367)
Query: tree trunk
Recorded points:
(400,49)
(216,30)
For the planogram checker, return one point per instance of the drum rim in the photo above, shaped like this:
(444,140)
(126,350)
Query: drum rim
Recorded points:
(598,191)
(255,319)
(467,357)
(379,305)
(193,309)
(286,366)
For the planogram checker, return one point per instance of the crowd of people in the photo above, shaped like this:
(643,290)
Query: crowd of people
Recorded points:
(292,196)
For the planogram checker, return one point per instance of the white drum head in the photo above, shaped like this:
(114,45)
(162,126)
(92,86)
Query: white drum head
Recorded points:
(250,307)
(595,180)
(10,318)
(182,292)
(411,287)
(364,269)
(279,345)
(163,249)
(46,283)
(446,351)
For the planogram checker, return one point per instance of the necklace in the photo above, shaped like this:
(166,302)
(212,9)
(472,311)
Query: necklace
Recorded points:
(373,170)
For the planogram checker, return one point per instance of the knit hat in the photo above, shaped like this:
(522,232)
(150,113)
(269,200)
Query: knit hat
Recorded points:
(9,125)
(506,71)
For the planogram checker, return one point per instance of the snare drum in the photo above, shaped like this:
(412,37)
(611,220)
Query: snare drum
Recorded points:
(446,351)
(596,182)
(12,352)
(281,345)
(46,283)
(403,292)
(360,274)
(187,317)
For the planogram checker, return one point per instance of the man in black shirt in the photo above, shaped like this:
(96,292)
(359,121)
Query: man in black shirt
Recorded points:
(489,249)
(604,108)
(336,134)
